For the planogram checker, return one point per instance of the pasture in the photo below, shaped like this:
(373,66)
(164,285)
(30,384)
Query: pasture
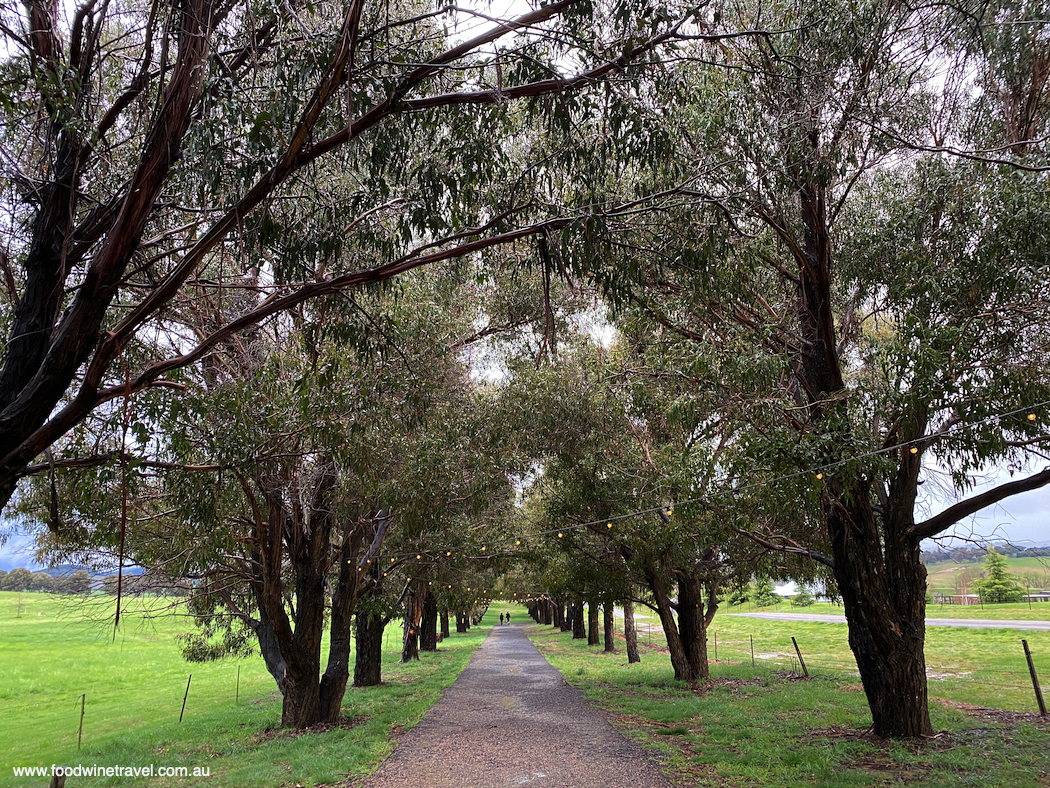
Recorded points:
(756,723)
(761,725)
(134,688)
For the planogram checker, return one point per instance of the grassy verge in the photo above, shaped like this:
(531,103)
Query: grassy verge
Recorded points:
(134,689)
(762,726)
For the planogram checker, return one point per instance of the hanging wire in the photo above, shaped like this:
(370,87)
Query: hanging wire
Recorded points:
(665,511)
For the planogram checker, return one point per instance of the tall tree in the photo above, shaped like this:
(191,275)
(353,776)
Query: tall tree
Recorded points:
(153,154)
(898,297)
(278,486)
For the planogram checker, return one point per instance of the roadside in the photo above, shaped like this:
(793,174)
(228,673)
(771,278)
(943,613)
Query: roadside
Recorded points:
(758,724)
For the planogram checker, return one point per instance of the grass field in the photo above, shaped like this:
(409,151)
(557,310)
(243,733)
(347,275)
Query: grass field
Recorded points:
(942,575)
(754,725)
(762,726)
(134,689)
(1012,611)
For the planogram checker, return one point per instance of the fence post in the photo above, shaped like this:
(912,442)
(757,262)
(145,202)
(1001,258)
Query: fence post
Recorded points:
(1035,678)
(800,660)
(185,696)
(80,731)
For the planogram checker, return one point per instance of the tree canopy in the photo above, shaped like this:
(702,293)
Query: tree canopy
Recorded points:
(294,289)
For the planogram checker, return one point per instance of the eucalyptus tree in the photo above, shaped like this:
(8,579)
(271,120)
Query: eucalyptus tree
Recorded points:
(857,231)
(300,480)
(619,439)
(157,157)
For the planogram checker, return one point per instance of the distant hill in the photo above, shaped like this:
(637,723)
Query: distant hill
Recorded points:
(976,554)
(64,570)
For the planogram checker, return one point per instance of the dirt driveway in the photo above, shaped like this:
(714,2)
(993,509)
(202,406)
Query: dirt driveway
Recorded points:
(511,720)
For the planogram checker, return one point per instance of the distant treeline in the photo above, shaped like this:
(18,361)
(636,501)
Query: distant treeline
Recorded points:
(81,582)
(972,554)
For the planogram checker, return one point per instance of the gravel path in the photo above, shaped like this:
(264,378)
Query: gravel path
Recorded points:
(510,720)
(971,623)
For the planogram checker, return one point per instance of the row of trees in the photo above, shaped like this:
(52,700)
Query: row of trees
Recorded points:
(21,579)
(312,305)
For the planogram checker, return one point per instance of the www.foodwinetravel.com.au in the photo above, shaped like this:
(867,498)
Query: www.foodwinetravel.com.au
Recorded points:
(97,770)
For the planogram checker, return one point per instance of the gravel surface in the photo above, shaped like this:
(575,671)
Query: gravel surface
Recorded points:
(971,623)
(510,720)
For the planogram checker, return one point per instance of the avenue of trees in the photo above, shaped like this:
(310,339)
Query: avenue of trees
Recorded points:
(350,312)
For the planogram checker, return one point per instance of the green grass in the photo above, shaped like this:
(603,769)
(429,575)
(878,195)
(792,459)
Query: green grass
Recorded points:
(941,577)
(134,689)
(761,726)
(1015,611)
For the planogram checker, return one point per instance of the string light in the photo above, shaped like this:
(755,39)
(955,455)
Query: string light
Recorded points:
(666,511)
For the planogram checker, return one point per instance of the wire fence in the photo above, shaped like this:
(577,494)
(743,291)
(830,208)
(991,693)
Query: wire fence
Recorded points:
(980,668)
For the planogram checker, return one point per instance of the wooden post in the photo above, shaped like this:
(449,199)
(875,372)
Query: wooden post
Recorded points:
(80,731)
(1035,679)
(185,696)
(800,660)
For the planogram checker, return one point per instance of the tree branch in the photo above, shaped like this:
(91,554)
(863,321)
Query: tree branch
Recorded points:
(793,549)
(950,516)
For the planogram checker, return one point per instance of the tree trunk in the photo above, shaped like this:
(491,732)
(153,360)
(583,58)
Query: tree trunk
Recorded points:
(683,670)
(344,602)
(692,625)
(368,659)
(593,638)
(630,634)
(428,624)
(579,626)
(413,615)
(444,624)
(607,613)
(879,571)
(461,621)
(883,588)
(301,706)
(559,614)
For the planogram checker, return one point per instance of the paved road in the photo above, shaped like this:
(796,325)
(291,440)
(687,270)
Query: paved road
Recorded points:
(972,623)
(511,720)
